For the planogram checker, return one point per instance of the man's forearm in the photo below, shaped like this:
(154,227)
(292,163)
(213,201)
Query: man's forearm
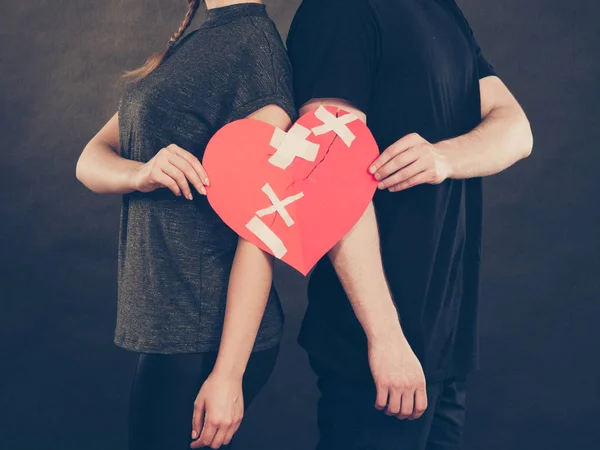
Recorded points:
(357,262)
(503,138)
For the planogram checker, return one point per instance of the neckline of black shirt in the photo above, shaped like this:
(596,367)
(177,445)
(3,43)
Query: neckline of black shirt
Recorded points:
(225,14)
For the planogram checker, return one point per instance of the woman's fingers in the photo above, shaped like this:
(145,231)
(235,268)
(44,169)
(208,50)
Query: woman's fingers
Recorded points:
(229,436)
(220,436)
(237,421)
(188,170)
(197,420)
(208,433)
(161,178)
(193,161)
(181,167)
(178,176)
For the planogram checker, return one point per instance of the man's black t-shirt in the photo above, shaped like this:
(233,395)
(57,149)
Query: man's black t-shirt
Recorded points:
(412,66)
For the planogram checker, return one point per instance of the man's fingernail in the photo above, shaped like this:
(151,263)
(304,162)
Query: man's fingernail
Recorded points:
(381,186)
(194,434)
(372,169)
(203,191)
(189,197)
(378,176)
(206,182)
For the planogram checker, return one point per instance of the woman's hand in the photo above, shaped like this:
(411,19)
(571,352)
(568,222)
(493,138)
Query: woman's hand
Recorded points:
(172,167)
(218,411)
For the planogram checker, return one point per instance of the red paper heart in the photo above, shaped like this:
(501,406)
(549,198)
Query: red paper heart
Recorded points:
(329,194)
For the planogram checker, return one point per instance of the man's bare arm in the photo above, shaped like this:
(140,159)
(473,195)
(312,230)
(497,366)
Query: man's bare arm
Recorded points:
(503,138)
(357,261)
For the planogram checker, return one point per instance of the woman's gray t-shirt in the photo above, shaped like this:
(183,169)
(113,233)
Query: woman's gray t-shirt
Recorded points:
(175,255)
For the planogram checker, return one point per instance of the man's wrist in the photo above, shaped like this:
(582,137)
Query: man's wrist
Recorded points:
(445,150)
(384,330)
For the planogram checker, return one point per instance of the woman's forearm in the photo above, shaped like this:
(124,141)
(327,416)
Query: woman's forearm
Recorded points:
(248,292)
(102,170)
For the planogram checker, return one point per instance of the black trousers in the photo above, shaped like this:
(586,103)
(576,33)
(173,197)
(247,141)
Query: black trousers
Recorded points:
(163,393)
(348,420)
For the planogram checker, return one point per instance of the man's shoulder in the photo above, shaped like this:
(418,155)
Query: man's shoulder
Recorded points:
(339,8)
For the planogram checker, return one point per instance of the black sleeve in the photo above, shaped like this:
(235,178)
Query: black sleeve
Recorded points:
(484,67)
(333,47)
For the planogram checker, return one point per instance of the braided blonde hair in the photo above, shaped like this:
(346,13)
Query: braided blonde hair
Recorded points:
(156,59)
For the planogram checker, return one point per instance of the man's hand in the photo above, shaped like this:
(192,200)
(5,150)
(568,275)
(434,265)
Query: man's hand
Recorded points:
(398,377)
(408,162)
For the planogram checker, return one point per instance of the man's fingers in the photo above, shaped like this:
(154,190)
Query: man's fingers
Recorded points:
(395,149)
(382,398)
(420,404)
(401,161)
(178,176)
(393,407)
(420,178)
(402,175)
(407,404)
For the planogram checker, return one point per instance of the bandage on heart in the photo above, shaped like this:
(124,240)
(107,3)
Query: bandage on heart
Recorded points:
(293,194)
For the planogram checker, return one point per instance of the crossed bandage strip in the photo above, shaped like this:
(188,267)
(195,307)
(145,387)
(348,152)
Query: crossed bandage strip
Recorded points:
(291,145)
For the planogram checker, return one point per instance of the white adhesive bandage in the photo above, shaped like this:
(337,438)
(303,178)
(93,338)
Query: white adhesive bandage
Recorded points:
(291,145)
(335,124)
(278,206)
(266,235)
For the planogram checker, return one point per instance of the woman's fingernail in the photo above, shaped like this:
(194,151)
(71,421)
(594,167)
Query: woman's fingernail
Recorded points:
(189,197)
(377,176)
(381,186)
(203,191)
(194,434)
(206,182)
(372,169)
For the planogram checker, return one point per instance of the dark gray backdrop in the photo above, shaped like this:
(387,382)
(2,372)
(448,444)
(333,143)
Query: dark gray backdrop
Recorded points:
(65,386)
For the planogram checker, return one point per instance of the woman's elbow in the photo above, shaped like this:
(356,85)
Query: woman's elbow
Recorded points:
(80,172)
